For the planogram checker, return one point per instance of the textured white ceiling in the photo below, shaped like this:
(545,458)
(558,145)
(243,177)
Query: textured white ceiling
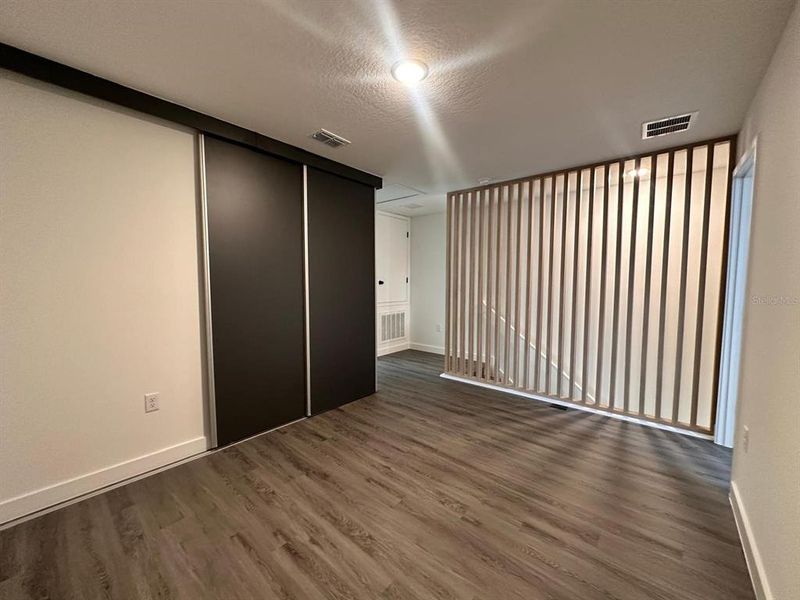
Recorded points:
(515,87)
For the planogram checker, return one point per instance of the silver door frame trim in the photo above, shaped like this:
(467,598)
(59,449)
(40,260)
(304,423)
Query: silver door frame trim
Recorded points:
(306,295)
(212,399)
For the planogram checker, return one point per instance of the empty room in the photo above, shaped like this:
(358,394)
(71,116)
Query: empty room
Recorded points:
(400,299)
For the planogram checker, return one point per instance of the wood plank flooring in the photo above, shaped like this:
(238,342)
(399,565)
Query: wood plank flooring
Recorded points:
(427,489)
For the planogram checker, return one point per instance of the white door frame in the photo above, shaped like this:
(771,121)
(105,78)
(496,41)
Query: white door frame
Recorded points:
(393,306)
(743,191)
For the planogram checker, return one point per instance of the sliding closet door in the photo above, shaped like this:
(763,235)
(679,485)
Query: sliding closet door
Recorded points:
(255,264)
(341,248)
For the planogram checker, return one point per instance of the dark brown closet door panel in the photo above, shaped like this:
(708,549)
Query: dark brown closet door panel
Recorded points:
(255,246)
(341,243)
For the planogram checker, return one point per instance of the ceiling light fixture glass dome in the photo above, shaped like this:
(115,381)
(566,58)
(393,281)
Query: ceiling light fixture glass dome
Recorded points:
(409,71)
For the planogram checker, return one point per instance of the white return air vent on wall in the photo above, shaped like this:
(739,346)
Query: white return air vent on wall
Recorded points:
(393,326)
(329,138)
(668,125)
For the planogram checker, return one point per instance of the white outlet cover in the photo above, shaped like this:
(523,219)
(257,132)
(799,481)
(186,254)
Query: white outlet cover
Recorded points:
(151,402)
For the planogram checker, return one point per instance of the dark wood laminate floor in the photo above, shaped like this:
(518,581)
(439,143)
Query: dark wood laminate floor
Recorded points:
(428,489)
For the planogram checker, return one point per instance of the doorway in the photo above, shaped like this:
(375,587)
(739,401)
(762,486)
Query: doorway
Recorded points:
(736,294)
(392,260)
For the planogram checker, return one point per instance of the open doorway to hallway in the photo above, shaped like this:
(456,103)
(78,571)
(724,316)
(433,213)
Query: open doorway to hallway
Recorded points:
(392,273)
(736,292)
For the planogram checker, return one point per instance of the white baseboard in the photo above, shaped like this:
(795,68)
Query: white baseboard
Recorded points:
(393,348)
(428,348)
(20,506)
(751,554)
(573,405)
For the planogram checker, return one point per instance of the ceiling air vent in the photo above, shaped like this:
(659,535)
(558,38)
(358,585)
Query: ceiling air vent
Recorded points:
(668,125)
(329,139)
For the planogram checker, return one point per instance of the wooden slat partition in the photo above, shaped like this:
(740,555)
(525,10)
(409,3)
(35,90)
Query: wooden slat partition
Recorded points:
(587,289)
(517,301)
(575,248)
(561,282)
(469,349)
(536,349)
(648,280)
(529,267)
(479,356)
(601,321)
(631,271)
(597,277)
(612,386)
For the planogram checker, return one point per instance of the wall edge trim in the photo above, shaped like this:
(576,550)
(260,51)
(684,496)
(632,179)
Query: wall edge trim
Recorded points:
(755,566)
(393,348)
(427,348)
(34,503)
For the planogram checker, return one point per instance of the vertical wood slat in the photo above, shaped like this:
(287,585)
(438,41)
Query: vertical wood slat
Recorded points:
(458,259)
(601,311)
(490,289)
(701,286)
(463,287)
(549,360)
(687,209)
(562,280)
(528,284)
(507,312)
(662,313)
(471,287)
(497,286)
(575,247)
(456,277)
(517,295)
(537,372)
(612,379)
(631,274)
(648,278)
(448,286)
(723,278)
(587,290)
(479,300)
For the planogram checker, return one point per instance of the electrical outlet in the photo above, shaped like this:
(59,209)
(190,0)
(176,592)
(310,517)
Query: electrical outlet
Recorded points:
(151,402)
(438,328)
(746,438)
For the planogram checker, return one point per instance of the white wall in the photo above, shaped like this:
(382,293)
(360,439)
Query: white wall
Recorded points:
(99,295)
(428,249)
(766,478)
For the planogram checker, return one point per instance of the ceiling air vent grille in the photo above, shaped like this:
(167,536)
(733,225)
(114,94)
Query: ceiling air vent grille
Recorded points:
(668,125)
(329,138)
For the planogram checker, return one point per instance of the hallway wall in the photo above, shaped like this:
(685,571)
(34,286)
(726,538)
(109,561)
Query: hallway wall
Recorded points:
(765,476)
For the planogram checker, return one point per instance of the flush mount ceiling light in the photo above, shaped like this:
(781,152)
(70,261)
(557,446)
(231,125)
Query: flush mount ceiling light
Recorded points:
(409,71)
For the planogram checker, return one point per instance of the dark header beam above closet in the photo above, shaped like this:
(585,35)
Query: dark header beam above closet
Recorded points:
(50,71)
